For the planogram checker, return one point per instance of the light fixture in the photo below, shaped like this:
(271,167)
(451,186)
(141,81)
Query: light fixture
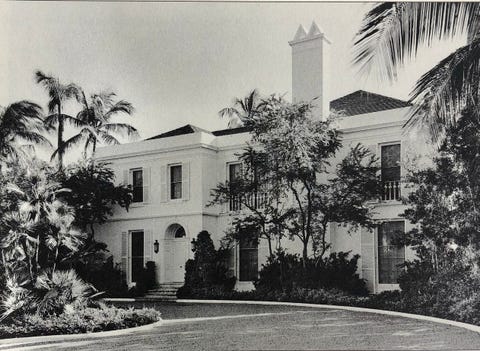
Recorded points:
(156,246)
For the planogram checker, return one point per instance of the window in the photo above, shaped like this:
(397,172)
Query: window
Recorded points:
(390,255)
(248,259)
(175,182)
(137,185)
(390,169)
(180,232)
(137,255)
(234,174)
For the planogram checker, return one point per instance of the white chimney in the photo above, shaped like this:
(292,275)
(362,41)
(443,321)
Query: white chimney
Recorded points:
(310,58)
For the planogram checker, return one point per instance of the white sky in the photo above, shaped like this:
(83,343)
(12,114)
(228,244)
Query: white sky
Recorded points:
(180,63)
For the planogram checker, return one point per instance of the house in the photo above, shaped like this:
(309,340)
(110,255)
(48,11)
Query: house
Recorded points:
(172,175)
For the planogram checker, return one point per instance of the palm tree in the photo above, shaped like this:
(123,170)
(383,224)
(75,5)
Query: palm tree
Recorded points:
(391,34)
(58,94)
(95,121)
(242,109)
(20,121)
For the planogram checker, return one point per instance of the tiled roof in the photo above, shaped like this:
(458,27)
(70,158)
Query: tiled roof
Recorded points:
(361,102)
(231,131)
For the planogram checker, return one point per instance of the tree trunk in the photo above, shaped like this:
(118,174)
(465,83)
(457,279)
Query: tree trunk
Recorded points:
(60,146)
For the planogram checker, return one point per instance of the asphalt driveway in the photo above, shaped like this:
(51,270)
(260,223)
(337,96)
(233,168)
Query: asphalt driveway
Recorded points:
(256,327)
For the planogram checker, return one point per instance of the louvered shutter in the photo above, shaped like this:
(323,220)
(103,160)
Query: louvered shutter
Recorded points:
(185,181)
(163,184)
(146,184)
(147,245)
(368,258)
(125,260)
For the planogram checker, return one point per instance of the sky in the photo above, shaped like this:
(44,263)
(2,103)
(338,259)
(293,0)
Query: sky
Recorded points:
(180,63)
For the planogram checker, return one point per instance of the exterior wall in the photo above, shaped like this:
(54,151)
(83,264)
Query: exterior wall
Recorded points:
(207,157)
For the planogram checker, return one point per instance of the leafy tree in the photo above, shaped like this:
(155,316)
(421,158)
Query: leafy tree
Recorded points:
(58,93)
(445,197)
(242,109)
(93,194)
(95,121)
(391,34)
(293,159)
(20,122)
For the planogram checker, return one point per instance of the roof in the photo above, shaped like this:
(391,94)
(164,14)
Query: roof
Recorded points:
(361,102)
(356,103)
(190,129)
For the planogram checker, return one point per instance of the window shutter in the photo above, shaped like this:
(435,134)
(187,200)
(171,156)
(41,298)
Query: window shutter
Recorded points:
(125,260)
(146,184)
(185,181)
(368,258)
(147,245)
(126,181)
(163,184)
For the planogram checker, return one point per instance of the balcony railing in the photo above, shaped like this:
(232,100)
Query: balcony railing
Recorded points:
(254,200)
(391,190)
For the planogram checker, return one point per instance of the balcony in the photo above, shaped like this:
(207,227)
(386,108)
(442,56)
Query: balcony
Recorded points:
(391,190)
(253,201)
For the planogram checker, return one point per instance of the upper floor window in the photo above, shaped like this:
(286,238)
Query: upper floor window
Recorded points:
(137,185)
(175,182)
(234,173)
(390,171)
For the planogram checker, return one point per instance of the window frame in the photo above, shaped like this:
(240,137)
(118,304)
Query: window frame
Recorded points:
(386,286)
(170,182)
(379,155)
(230,207)
(131,175)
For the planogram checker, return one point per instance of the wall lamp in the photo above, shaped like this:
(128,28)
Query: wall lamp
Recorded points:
(156,246)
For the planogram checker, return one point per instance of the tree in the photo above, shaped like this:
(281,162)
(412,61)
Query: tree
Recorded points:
(58,94)
(445,197)
(94,121)
(294,160)
(93,194)
(391,33)
(242,109)
(20,122)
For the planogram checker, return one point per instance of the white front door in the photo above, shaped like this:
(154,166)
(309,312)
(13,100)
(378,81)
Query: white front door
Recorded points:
(175,258)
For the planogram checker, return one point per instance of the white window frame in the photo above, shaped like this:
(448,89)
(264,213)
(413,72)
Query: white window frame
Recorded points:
(382,286)
(379,149)
(169,182)
(130,178)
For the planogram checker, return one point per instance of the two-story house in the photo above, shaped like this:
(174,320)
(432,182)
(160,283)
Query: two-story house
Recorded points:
(172,175)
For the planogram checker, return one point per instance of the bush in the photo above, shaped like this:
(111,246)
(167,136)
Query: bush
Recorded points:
(84,320)
(285,271)
(208,269)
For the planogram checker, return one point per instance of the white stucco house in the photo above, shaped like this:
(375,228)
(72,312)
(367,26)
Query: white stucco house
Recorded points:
(172,175)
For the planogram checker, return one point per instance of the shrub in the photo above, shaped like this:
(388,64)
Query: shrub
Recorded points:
(285,271)
(209,268)
(83,320)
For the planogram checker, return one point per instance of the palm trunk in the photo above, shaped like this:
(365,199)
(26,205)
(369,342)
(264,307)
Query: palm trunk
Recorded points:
(60,138)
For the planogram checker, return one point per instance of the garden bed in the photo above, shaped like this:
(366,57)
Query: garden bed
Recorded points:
(86,320)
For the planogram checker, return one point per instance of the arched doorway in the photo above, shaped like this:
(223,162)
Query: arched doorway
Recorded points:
(176,253)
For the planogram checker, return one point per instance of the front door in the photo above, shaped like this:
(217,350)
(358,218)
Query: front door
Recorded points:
(176,255)
(137,254)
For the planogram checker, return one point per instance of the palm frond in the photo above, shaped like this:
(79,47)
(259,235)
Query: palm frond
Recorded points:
(108,139)
(121,128)
(121,106)
(391,33)
(443,92)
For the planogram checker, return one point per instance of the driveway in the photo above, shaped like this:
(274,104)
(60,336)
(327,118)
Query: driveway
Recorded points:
(256,327)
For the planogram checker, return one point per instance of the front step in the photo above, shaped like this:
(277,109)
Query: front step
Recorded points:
(164,292)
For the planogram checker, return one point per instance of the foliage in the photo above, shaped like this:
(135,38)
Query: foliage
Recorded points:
(93,193)
(58,93)
(20,122)
(82,320)
(208,268)
(391,34)
(284,272)
(95,121)
(242,109)
(289,160)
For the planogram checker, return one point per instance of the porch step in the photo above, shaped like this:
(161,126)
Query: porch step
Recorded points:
(164,292)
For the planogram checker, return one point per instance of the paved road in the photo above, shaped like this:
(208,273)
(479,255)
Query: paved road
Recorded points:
(231,327)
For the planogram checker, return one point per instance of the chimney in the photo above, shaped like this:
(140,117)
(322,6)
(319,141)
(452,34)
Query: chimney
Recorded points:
(310,57)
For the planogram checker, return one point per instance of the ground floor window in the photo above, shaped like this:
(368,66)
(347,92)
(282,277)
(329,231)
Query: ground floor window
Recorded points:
(248,257)
(391,256)
(137,254)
